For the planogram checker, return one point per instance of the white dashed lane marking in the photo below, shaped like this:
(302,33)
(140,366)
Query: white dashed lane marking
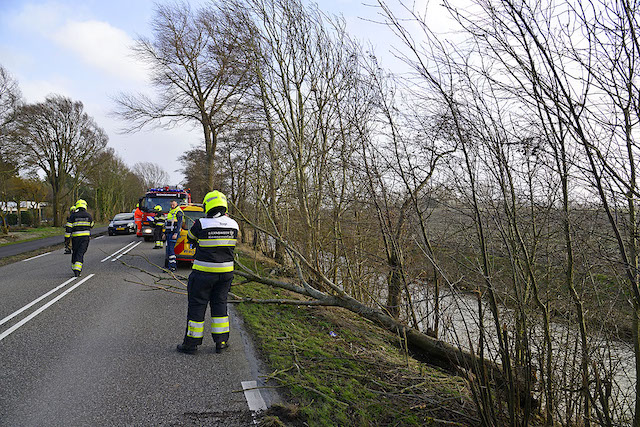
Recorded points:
(123,253)
(121,249)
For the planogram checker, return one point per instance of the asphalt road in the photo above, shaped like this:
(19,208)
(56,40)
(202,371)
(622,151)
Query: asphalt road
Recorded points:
(98,350)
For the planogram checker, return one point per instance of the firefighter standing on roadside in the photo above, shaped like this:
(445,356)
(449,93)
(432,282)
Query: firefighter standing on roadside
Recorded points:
(137,216)
(81,224)
(158,223)
(67,234)
(172,227)
(212,273)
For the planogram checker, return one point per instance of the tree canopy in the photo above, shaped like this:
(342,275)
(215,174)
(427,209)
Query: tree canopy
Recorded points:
(58,138)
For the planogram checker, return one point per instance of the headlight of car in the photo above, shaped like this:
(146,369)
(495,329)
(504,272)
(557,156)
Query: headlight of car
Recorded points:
(131,225)
(111,224)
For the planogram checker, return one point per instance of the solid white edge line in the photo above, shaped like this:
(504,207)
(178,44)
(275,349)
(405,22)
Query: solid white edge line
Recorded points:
(125,252)
(43,308)
(253,396)
(15,313)
(99,237)
(119,250)
(37,256)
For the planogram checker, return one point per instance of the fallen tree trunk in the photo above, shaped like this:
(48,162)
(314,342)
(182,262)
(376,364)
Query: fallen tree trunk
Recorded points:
(437,352)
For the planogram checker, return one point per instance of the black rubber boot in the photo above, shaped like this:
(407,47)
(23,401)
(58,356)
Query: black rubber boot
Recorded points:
(187,349)
(221,346)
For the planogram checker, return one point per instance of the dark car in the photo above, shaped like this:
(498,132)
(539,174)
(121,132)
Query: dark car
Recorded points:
(122,223)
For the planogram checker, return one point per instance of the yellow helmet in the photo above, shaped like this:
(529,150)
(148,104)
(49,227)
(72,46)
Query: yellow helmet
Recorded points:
(157,208)
(81,204)
(72,209)
(213,199)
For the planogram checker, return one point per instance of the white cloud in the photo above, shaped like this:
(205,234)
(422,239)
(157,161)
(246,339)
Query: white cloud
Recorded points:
(14,58)
(39,18)
(37,90)
(103,46)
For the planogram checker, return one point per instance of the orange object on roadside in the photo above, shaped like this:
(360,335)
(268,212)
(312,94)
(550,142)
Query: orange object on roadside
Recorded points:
(137,216)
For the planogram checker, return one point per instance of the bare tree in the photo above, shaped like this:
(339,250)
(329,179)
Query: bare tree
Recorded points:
(115,187)
(8,171)
(10,99)
(303,63)
(151,174)
(36,192)
(58,138)
(199,69)
(194,161)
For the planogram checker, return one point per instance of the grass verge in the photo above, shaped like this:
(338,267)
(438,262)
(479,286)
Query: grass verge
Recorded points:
(30,234)
(336,368)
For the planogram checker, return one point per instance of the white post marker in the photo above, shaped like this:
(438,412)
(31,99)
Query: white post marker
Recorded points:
(43,308)
(253,396)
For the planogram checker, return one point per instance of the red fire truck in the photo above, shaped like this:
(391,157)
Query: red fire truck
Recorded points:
(162,197)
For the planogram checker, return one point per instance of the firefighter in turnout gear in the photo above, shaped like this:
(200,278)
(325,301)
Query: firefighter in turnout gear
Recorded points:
(158,223)
(80,225)
(172,227)
(212,273)
(67,234)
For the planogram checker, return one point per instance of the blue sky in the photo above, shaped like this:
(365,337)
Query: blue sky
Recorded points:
(80,49)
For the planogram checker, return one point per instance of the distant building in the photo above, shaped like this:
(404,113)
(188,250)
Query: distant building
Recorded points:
(12,207)
(27,205)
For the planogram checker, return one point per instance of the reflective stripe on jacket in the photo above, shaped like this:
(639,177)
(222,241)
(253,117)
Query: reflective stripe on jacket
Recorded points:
(158,220)
(215,240)
(174,219)
(67,228)
(79,224)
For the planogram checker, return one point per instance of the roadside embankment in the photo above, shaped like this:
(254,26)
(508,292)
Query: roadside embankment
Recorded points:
(336,368)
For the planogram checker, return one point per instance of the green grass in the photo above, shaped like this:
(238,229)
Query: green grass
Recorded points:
(30,234)
(340,369)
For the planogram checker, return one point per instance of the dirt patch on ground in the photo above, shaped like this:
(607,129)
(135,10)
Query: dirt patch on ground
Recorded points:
(9,238)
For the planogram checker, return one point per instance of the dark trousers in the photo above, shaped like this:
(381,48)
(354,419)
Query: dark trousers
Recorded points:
(157,235)
(79,246)
(207,289)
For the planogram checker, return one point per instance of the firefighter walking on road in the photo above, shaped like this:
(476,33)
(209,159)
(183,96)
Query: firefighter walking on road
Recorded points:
(158,224)
(212,273)
(172,227)
(67,234)
(80,225)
